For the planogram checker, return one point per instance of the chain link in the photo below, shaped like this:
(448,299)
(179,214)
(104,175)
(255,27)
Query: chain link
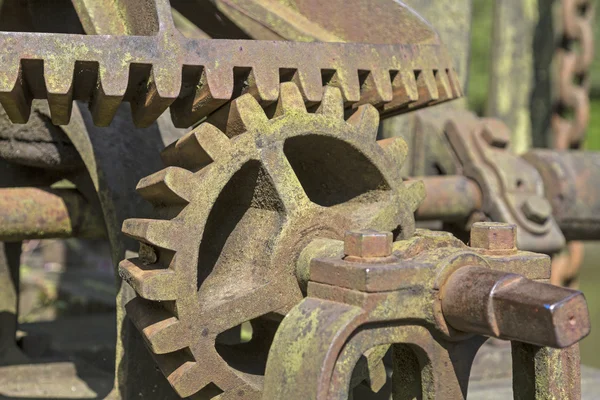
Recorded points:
(572,112)
(575,56)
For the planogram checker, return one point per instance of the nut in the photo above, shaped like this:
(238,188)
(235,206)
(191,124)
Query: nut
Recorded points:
(537,209)
(494,236)
(368,243)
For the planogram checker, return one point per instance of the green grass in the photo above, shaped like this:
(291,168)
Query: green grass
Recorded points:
(593,135)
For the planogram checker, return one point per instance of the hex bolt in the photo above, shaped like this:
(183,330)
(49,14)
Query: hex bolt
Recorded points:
(537,209)
(494,236)
(509,306)
(367,244)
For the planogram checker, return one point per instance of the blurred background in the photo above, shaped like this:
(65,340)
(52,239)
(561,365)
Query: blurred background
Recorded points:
(480,66)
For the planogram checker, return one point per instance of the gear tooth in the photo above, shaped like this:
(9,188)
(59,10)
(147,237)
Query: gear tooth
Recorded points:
(416,194)
(377,376)
(152,282)
(171,186)
(348,83)
(197,148)
(395,149)
(243,114)
(264,85)
(427,86)
(58,77)
(159,233)
(185,375)
(155,95)
(454,83)
(310,82)
(366,120)
(109,94)
(405,92)
(219,79)
(376,367)
(443,85)
(332,104)
(202,100)
(290,100)
(376,88)
(14,96)
(161,330)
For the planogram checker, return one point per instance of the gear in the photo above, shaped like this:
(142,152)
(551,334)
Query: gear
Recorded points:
(241,197)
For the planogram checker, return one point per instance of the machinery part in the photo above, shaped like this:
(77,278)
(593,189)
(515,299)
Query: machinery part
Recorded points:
(413,302)
(117,156)
(494,303)
(494,236)
(449,198)
(572,188)
(367,246)
(570,185)
(195,78)
(38,144)
(42,213)
(239,204)
(507,181)
(575,59)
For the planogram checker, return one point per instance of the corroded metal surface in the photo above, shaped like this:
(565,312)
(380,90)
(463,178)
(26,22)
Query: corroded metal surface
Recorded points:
(38,213)
(575,56)
(251,196)
(195,77)
(349,311)
(507,181)
(449,198)
(572,109)
(284,164)
(506,305)
(38,144)
(571,183)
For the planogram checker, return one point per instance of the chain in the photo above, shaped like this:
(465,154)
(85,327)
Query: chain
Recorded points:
(575,56)
(572,112)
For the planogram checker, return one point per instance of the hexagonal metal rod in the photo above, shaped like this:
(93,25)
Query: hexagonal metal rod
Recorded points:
(509,306)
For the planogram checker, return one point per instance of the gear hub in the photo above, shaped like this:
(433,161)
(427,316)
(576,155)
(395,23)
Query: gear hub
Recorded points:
(242,195)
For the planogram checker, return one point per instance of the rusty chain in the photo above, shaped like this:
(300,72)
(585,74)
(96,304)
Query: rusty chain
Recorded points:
(572,112)
(575,56)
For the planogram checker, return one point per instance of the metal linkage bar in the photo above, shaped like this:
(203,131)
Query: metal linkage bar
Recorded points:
(426,296)
(195,77)
(449,198)
(41,213)
(570,189)
(572,185)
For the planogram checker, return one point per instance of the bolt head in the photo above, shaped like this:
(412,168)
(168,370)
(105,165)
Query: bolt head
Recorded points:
(494,236)
(496,134)
(368,243)
(537,209)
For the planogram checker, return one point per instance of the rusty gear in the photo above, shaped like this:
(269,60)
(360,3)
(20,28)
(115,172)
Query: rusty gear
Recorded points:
(238,205)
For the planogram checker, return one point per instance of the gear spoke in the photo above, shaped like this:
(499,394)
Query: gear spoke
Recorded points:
(284,179)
